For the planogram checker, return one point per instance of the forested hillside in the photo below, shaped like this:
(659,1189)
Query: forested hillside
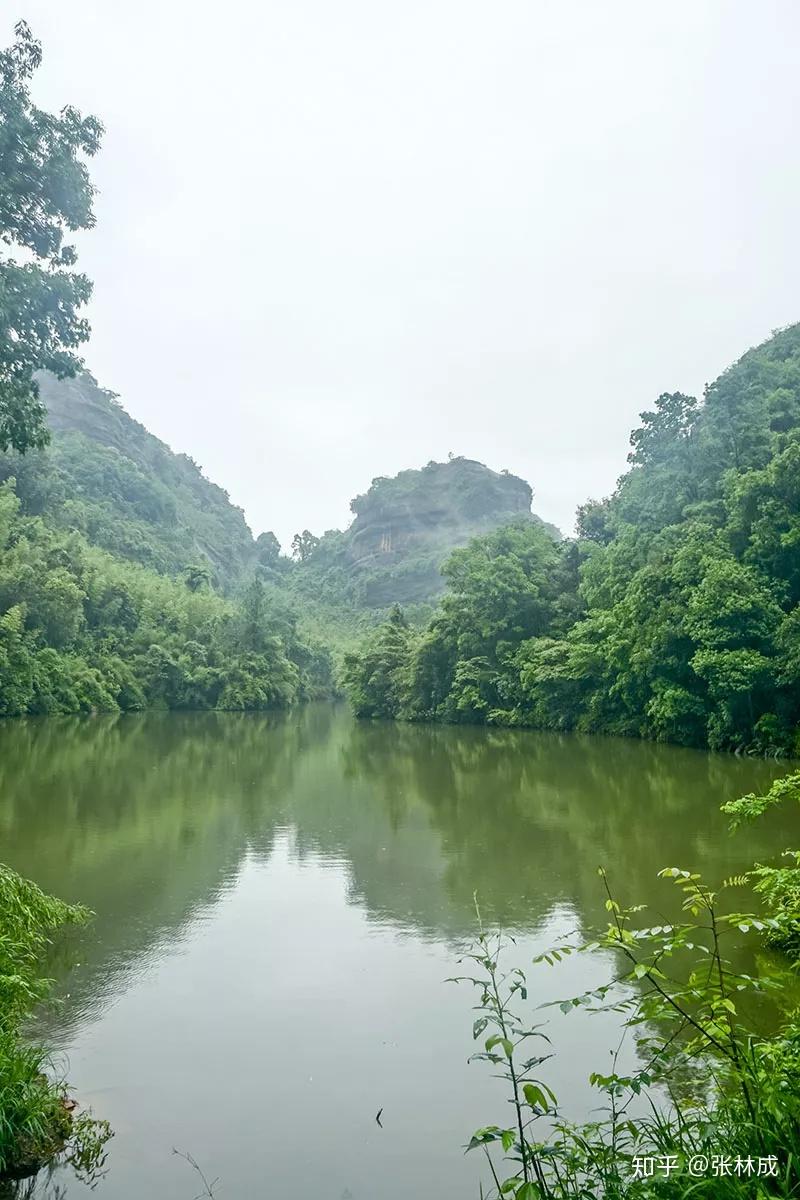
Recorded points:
(81,630)
(114,557)
(403,530)
(117,555)
(673,615)
(106,476)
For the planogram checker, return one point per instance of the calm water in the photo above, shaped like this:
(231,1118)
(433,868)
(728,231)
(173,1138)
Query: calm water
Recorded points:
(279,901)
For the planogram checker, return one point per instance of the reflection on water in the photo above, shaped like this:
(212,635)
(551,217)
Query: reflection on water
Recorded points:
(279,900)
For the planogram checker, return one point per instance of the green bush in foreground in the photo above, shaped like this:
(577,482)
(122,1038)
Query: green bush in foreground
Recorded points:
(36,1115)
(712,1108)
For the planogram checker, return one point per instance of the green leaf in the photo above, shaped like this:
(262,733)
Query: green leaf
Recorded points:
(490,1133)
(534,1095)
(528,1191)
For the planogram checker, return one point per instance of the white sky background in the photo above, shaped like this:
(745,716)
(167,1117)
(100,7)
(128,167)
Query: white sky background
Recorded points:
(336,240)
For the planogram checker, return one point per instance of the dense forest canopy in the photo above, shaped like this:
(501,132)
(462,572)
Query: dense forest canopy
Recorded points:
(81,630)
(673,614)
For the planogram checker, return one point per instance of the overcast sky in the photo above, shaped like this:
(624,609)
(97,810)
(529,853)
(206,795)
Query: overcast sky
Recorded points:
(335,240)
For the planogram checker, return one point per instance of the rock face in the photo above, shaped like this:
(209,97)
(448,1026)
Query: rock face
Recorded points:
(404,529)
(444,503)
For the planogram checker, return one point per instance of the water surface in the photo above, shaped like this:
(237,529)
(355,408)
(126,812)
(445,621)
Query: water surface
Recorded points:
(279,902)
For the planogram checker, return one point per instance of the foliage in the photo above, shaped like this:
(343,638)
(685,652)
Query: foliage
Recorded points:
(81,631)
(675,615)
(124,490)
(504,588)
(709,1107)
(45,192)
(36,1120)
(304,544)
(376,678)
(458,489)
(404,529)
(779,886)
(29,918)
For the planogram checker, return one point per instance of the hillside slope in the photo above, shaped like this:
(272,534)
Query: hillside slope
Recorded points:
(127,492)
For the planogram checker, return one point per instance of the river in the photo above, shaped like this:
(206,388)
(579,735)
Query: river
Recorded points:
(280,900)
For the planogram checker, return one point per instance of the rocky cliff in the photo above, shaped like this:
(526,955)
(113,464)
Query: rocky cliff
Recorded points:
(444,502)
(404,528)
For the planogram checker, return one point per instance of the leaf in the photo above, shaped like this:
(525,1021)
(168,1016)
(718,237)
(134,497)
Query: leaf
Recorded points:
(528,1191)
(534,1095)
(490,1133)
(479,1026)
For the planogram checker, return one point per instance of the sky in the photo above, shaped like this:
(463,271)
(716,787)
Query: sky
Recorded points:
(335,241)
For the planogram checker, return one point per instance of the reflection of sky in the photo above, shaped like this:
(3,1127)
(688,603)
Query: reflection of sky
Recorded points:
(283,1011)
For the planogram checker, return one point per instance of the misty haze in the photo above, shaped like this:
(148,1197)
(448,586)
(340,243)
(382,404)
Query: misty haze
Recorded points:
(399,601)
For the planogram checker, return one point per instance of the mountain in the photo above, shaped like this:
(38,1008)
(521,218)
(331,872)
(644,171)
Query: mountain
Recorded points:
(127,492)
(675,614)
(107,477)
(403,530)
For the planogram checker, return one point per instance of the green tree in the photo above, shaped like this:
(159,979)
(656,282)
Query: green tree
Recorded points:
(45,193)
(376,678)
(197,576)
(268,549)
(665,432)
(304,544)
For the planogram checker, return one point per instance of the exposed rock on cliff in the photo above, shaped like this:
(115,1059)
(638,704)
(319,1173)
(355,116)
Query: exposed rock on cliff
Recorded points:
(406,526)
(445,501)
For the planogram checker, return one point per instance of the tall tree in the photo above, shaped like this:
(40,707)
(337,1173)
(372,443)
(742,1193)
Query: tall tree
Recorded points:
(45,193)
(304,544)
